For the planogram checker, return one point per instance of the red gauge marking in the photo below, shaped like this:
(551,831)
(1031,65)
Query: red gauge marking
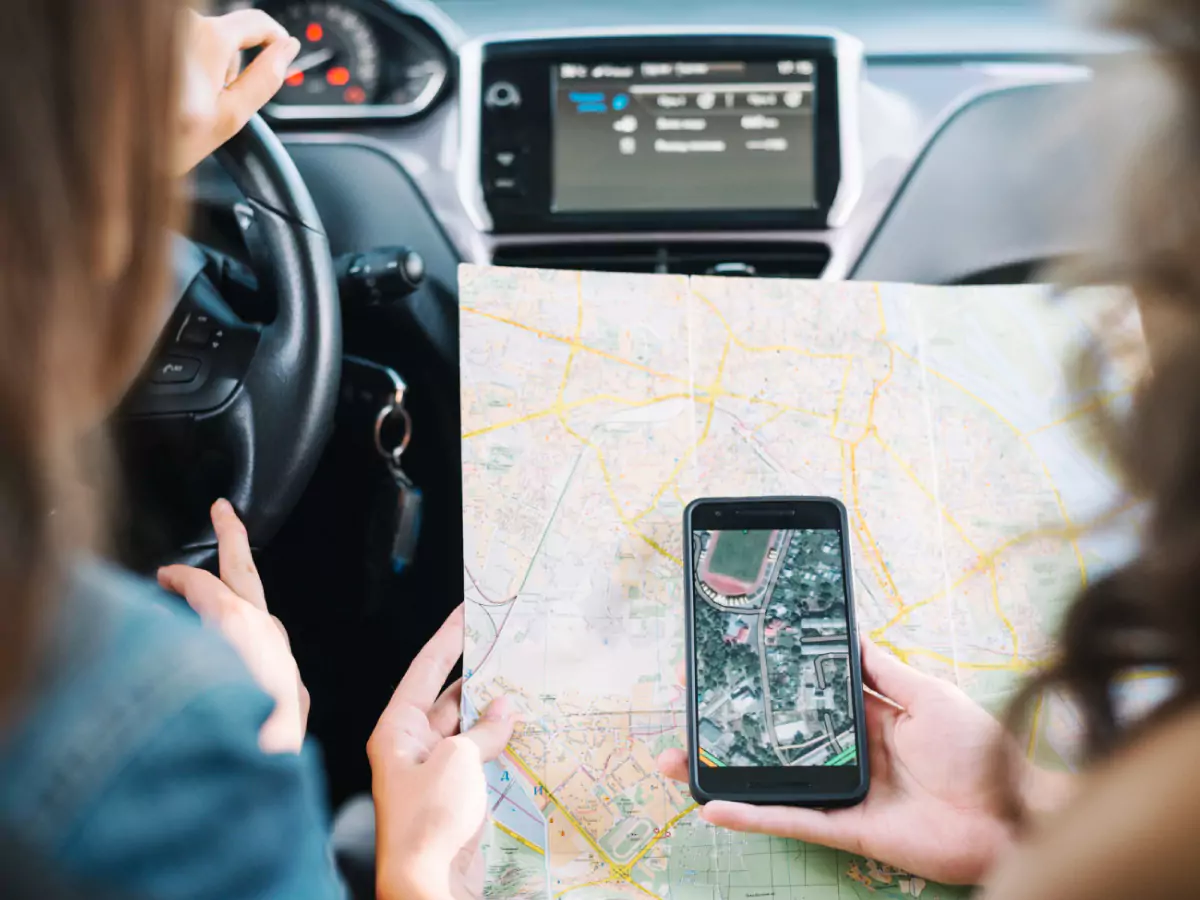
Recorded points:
(355,94)
(338,76)
(314,32)
(295,79)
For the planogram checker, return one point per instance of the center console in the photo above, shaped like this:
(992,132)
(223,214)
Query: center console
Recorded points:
(660,131)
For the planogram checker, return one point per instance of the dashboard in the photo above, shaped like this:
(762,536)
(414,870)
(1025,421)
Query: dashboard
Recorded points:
(920,140)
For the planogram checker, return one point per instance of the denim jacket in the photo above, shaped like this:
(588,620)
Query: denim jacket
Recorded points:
(134,763)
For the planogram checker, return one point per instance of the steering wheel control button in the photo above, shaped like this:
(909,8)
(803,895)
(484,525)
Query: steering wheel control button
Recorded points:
(502,95)
(175,370)
(199,331)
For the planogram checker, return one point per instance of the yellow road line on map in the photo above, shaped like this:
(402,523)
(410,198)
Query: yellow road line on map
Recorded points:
(516,837)
(714,391)
(990,567)
(774,348)
(559,411)
(879,304)
(775,404)
(560,339)
(646,891)
(612,494)
(562,385)
(988,559)
(623,872)
(1017,666)
(546,412)
(1096,403)
(865,533)
(662,833)
(1062,506)
(524,766)
(779,413)
(841,397)
(994,580)
(574,404)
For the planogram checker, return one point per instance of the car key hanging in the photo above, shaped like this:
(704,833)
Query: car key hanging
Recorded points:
(406,517)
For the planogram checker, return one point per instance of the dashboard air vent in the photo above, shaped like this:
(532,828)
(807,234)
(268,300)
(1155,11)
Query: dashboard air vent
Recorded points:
(761,259)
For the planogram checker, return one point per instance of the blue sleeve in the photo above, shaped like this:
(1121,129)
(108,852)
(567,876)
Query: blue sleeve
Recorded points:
(201,812)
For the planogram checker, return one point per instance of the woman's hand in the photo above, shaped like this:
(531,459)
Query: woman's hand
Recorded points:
(932,808)
(236,606)
(218,101)
(428,781)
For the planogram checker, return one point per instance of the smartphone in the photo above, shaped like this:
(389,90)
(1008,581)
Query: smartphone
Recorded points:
(775,704)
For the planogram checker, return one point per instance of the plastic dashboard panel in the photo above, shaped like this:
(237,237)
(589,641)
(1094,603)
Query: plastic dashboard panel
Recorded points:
(981,197)
(367,200)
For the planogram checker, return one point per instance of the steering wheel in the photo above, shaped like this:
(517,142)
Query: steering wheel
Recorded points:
(228,407)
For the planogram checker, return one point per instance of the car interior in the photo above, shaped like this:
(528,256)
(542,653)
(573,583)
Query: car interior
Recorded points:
(314,326)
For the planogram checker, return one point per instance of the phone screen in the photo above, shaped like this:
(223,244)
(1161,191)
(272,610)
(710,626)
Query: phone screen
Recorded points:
(774,676)
(772,649)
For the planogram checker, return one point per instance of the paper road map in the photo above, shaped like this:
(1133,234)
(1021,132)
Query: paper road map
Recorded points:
(596,406)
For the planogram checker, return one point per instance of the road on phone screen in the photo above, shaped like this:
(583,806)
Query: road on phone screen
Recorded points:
(772,651)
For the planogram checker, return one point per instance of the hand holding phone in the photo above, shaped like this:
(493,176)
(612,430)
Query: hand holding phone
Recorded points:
(774,680)
(932,808)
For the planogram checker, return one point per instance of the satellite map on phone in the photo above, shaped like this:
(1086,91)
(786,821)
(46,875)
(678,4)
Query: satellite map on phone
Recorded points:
(772,649)
(596,406)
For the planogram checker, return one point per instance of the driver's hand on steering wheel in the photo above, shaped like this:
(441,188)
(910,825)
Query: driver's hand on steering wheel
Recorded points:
(236,606)
(219,98)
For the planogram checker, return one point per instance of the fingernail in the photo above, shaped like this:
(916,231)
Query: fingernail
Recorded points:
(222,507)
(293,48)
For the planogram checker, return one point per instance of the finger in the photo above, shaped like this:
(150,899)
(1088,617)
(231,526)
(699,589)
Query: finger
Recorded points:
(232,70)
(237,562)
(444,716)
(254,88)
(674,764)
(305,703)
(895,680)
(493,731)
(402,735)
(830,829)
(283,631)
(247,28)
(424,679)
(203,591)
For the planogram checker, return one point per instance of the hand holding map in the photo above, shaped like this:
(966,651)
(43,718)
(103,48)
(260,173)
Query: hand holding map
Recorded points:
(595,406)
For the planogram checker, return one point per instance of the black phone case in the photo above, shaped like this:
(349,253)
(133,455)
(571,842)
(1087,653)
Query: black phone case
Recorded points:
(823,800)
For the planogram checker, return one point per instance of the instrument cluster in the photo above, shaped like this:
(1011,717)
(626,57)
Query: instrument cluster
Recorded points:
(358,60)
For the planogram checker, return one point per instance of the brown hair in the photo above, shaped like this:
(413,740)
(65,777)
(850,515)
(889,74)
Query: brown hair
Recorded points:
(1147,612)
(88,114)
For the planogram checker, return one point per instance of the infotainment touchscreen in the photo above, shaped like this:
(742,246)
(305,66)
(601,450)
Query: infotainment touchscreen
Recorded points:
(684,135)
(660,132)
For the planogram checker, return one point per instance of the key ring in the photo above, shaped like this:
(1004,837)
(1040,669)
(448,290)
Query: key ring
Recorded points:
(393,409)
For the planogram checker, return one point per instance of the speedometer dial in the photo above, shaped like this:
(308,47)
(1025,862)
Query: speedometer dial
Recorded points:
(339,59)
